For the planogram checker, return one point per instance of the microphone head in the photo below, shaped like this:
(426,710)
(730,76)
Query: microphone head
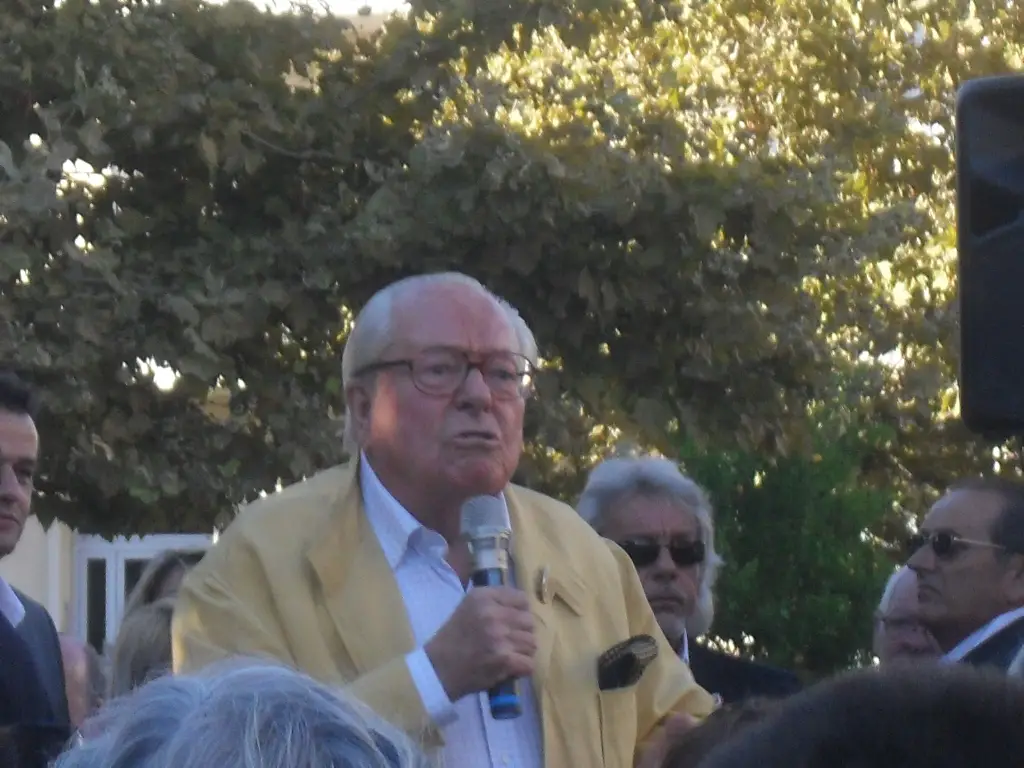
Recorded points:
(484,516)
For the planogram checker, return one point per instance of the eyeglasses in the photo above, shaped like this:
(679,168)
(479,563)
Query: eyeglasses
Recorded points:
(644,552)
(440,372)
(945,544)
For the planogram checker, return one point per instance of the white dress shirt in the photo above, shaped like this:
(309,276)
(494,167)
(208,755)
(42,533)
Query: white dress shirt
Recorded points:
(431,591)
(979,636)
(10,606)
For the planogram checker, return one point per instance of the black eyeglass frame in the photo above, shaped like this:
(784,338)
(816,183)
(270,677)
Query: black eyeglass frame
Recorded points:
(524,371)
(945,545)
(645,552)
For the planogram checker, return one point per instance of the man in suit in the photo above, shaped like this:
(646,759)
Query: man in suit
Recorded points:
(19,454)
(358,575)
(969,559)
(663,520)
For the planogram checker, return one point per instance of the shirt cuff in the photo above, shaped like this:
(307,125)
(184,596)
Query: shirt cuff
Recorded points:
(432,693)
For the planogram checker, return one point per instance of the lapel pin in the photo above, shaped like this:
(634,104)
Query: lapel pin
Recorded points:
(543,587)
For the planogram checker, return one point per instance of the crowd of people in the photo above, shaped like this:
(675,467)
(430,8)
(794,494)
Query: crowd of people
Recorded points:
(336,622)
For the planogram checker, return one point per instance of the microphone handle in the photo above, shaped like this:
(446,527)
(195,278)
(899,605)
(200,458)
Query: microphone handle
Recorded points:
(504,697)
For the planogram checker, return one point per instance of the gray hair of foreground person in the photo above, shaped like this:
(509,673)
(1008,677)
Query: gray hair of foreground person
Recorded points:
(616,480)
(240,714)
(372,333)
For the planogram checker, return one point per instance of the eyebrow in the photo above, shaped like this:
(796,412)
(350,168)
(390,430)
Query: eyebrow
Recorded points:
(19,461)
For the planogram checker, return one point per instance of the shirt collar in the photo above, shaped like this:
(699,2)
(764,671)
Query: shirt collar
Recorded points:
(392,522)
(979,636)
(394,525)
(10,605)
(684,649)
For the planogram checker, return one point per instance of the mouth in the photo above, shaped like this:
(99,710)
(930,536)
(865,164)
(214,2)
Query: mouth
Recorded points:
(667,605)
(9,519)
(477,436)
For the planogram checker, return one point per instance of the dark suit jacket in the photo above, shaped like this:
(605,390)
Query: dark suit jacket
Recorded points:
(30,736)
(22,697)
(735,679)
(1000,650)
(39,633)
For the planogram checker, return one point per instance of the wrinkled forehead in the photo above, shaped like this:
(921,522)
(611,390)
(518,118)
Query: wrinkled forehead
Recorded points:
(652,513)
(452,316)
(968,513)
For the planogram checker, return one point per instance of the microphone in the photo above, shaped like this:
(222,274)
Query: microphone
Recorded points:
(485,528)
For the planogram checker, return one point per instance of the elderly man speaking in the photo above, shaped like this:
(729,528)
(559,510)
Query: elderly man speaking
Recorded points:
(358,575)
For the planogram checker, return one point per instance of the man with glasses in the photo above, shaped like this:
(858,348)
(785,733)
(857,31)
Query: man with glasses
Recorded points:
(899,634)
(663,521)
(969,561)
(359,575)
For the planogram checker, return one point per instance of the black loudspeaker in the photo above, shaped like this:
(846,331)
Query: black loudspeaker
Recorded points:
(990,244)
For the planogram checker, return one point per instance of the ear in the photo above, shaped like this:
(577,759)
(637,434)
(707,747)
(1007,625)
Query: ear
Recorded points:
(359,403)
(1013,580)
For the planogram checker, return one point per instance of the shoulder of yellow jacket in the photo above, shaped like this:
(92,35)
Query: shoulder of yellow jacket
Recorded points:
(293,508)
(561,523)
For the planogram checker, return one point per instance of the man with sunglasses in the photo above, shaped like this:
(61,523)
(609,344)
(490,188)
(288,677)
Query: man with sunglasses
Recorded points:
(969,559)
(663,521)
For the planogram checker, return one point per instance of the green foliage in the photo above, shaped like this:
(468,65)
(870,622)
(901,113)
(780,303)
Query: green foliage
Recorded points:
(705,210)
(801,578)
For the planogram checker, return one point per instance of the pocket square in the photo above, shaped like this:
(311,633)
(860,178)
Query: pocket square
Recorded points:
(624,663)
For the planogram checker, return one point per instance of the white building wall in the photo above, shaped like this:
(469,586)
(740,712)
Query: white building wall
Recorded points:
(40,567)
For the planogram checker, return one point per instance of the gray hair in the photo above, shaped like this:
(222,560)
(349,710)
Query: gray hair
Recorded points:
(371,332)
(614,481)
(890,590)
(239,715)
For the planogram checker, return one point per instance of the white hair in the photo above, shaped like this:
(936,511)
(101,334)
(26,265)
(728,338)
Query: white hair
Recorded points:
(614,481)
(371,332)
(239,715)
(890,589)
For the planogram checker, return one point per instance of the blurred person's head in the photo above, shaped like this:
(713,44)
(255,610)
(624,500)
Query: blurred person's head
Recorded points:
(926,715)
(240,715)
(436,374)
(899,634)
(969,558)
(720,726)
(85,680)
(663,520)
(161,578)
(19,455)
(142,650)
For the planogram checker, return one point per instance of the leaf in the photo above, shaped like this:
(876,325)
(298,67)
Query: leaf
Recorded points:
(7,164)
(208,151)
(183,309)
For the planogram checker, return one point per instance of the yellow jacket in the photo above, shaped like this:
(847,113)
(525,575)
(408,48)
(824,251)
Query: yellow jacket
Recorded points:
(300,577)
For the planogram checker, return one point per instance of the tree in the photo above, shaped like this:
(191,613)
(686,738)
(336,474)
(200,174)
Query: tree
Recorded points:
(696,205)
(803,575)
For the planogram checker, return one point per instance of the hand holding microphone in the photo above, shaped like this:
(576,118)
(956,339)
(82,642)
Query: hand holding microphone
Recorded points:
(489,639)
(488,642)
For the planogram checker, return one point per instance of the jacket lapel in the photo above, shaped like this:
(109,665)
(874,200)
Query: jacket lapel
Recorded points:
(544,572)
(360,591)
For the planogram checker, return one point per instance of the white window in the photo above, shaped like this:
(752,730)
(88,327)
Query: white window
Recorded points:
(105,572)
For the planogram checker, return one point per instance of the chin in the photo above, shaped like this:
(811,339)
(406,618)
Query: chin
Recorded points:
(481,478)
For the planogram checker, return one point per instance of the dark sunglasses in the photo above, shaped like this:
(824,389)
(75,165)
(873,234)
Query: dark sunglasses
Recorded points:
(944,544)
(644,552)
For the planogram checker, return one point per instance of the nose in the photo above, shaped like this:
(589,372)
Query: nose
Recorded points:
(923,559)
(474,392)
(10,487)
(664,567)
